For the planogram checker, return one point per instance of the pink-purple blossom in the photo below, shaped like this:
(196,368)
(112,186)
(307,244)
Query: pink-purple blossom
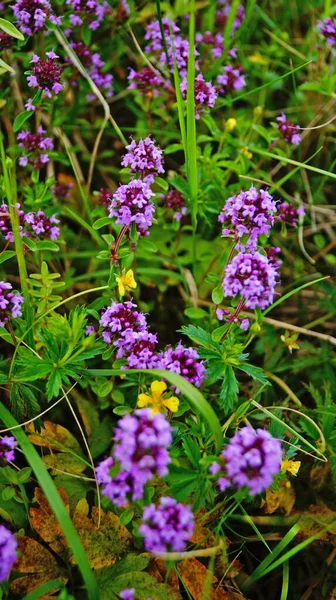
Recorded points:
(288,130)
(166,527)
(143,157)
(31,15)
(87,11)
(6,223)
(249,213)
(223,13)
(184,361)
(95,67)
(253,276)
(232,78)
(43,227)
(6,41)
(174,200)
(327,29)
(251,459)
(35,146)
(7,447)
(10,303)
(178,49)
(205,93)
(46,74)
(289,214)
(120,321)
(8,552)
(146,81)
(132,203)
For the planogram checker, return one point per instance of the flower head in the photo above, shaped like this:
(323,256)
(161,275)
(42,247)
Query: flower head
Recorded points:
(143,157)
(289,214)
(328,30)
(126,282)
(46,74)
(35,148)
(251,459)
(224,11)
(127,594)
(119,322)
(7,447)
(90,11)
(288,130)
(290,466)
(174,200)
(146,81)
(43,227)
(185,362)
(8,549)
(156,400)
(249,213)
(10,303)
(205,93)
(31,15)
(6,224)
(253,276)
(6,41)
(232,78)
(167,527)
(95,66)
(132,203)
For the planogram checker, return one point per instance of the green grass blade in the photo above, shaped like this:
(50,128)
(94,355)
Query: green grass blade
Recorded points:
(196,399)
(191,126)
(289,294)
(229,23)
(290,161)
(48,487)
(285,581)
(180,107)
(54,584)
(163,37)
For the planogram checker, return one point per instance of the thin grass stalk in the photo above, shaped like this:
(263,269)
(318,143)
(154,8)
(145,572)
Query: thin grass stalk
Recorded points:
(27,308)
(285,581)
(191,128)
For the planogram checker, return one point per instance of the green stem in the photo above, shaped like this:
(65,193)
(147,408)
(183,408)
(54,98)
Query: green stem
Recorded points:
(9,188)
(164,43)
(191,127)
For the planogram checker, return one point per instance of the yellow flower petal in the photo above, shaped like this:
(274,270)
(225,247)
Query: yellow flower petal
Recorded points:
(292,466)
(144,399)
(121,287)
(158,388)
(172,404)
(129,279)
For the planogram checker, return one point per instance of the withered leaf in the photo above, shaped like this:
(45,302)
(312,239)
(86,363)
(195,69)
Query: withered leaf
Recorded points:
(39,566)
(195,576)
(283,499)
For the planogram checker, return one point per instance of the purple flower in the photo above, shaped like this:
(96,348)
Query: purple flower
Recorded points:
(90,11)
(168,527)
(328,30)
(10,303)
(209,39)
(132,203)
(8,548)
(178,49)
(205,93)
(46,74)
(119,322)
(146,81)
(253,276)
(251,459)
(289,214)
(90,329)
(6,224)
(143,157)
(174,200)
(232,78)
(288,130)
(7,447)
(6,41)
(249,213)
(142,352)
(44,227)
(140,453)
(35,147)
(232,318)
(223,13)
(185,362)
(127,594)
(104,196)
(94,65)
(31,15)
(61,191)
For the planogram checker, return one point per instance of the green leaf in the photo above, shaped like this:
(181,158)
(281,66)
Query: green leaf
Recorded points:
(5,67)
(21,119)
(173,148)
(7,255)
(10,29)
(217,294)
(126,516)
(195,313)
(255,372)
(199,336)
(218,333)
(47,245)
(102,222)
(192,450)
(161,183)
(54,384)
(229,389)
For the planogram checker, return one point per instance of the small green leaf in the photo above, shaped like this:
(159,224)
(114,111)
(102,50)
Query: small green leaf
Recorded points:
(5,67)
(102,222)
(217,294)
(21,119)
(10,29)
(126,516)
(218,333)
(195,313)
(229,389)
(161,183)
(46,245)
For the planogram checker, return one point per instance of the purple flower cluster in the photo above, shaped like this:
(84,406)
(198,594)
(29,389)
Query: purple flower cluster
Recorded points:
(10,303)
(232,78)
(252,275)
(179,48)
(288,130)
(174,200)
(46,74)
(249,213)
(143,157)
(8,549)
(289,214)
(146,81)
(126,328)
(251,459)
(223,13)
(31,15)
(7,447)
(140,452)
(205,93)
(32,224)
(90,11)
(6,41)
(94,65)
(61,191)
(328,30)
(243,322)
(132,203)
(209,39)
(184,362)
(167,527)
(35,147)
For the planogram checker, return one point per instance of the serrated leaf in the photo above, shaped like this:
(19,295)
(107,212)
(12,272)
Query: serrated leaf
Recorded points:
(199,336)
(255,372)
(228,390)
(192,450)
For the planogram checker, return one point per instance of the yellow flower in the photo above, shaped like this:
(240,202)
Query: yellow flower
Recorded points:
(230,124)
(289,339)
(247,153)
(156,401)
(292,466)
(126,282)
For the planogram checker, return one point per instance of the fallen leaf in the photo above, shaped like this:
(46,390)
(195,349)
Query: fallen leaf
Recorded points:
(46,525)
(60,457)
(39,565)
(195,576)
(283,499)
(316,519)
